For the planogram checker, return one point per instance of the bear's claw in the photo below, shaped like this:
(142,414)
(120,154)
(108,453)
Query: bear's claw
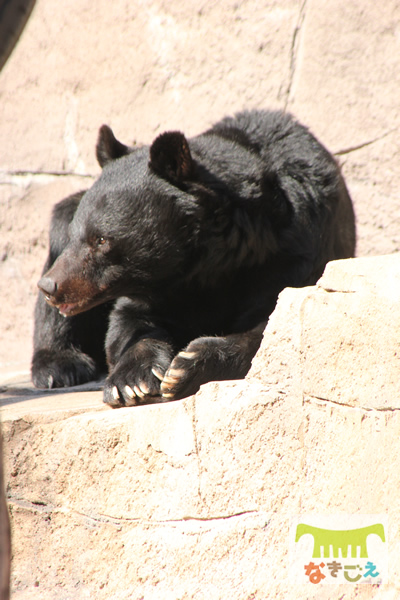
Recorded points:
(157,374)
(130,392)
(188,355)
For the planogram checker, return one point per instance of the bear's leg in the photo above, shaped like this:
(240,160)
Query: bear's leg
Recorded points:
(67,351)
(210,359)
(138,355)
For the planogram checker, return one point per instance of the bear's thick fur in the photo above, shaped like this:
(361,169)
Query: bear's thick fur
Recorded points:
(185,246)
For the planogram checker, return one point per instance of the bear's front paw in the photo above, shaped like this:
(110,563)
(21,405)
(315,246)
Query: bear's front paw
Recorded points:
(137,377)
(129,387)
(192,367)
(63,368)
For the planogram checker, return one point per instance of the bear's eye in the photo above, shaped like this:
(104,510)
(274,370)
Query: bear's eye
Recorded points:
(99,241)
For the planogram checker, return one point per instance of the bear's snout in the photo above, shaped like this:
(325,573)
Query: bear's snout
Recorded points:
(69,293)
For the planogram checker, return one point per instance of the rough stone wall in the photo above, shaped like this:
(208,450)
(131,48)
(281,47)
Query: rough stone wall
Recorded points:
(5,548)
(194,499)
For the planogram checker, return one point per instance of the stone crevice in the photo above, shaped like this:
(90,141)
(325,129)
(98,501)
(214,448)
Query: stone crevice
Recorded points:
(24,178)
(308,398)
(40,507)
(334,291)
(364,144)
(196,445)
(294,51)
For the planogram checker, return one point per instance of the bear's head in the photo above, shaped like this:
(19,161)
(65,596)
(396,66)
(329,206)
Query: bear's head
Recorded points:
(134,229)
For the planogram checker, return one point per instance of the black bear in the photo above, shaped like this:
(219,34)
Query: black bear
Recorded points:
(169,266)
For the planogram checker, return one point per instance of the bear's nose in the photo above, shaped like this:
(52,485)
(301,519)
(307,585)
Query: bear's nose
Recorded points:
(48,286)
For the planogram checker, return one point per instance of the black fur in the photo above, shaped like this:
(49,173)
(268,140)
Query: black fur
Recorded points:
(188,243)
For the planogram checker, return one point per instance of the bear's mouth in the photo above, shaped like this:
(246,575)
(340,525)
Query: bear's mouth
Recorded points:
(68,305)
(70,309)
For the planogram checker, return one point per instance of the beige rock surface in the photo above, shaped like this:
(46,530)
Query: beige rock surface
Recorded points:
(342,325)
(5,539)
(193,499)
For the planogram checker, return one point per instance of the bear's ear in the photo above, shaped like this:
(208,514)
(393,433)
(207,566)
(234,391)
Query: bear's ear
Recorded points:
(170,156)
(108,148)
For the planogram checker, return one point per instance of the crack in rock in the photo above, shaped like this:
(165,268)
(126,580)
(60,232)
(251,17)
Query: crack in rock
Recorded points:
(194,425)
(308,398)
(216,518)
(39,506)
(294,51)
(334,291)
(364,144)
(23,178)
